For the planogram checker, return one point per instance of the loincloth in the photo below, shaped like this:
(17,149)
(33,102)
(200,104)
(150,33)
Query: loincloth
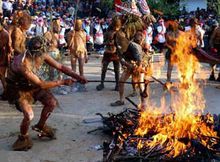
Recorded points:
(110,57)
(16,93)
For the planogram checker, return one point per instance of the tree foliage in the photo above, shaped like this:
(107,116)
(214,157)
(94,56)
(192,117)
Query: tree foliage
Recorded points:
(107,4)
(214,5)
(168,7)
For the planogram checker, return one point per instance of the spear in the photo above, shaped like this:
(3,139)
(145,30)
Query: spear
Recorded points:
(111,81)
(74,24)
(51,20)
(75,16)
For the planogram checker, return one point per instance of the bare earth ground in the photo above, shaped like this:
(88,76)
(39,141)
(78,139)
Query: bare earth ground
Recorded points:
(73,144)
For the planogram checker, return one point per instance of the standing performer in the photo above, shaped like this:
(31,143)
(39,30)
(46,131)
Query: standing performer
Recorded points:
(171,37)
(110,54)
(132,65)
(24,87)
(52,38)
(22,22)
(215,46)
(77,45)
(5,54)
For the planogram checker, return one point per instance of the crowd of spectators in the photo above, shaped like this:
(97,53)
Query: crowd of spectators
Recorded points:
(43,11)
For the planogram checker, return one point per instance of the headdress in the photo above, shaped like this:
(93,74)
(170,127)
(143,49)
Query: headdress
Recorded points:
(37,46)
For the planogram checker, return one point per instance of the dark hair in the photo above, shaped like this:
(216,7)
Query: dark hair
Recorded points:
(138,37)
(193,22)
(37,45)
(25,19)
(116,23)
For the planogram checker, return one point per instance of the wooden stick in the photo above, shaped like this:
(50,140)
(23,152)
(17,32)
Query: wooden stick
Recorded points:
(132,102)
(157,80)
(112,81)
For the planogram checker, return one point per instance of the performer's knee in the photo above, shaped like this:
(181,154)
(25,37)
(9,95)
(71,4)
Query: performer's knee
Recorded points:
(29,116)
(104,68)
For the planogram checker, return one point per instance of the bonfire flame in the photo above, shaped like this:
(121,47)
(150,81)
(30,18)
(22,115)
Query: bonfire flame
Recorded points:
(176,130)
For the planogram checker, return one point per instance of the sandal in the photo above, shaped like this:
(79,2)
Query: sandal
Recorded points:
(46,131)
(117,103)
(23,143)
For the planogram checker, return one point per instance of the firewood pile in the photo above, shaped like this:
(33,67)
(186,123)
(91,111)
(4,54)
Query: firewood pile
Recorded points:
(124,144)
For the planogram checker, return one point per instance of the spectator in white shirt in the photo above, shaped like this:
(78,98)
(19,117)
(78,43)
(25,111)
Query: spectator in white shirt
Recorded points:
(7,8)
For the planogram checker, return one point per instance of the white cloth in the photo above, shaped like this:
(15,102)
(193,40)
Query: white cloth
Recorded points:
(7,6)
(31,30)
(61,36)
(144,6)
(71,10)
(99,37)
(149,35)
(161,33)
(187,28)
(87,29)
(200,33)
(40,30)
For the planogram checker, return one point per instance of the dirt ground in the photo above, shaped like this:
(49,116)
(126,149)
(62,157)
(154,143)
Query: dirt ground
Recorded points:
(73,143)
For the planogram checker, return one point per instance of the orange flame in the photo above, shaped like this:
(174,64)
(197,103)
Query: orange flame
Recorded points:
(183,123)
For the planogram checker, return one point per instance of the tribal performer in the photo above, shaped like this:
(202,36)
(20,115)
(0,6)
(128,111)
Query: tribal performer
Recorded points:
(52,38)
(21,23)
(171,36)
(110,54)
(215,47)
(5,54)
(133,65)
(24,87)
(77,45)
(76,41)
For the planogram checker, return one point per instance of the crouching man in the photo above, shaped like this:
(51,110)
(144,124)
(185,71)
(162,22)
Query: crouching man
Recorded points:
(24,87)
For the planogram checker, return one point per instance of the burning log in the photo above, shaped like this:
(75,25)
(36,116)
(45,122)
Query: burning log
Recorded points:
(124,145)
(153,134)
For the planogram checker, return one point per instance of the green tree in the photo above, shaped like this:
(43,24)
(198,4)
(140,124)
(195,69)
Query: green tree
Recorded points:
(107,4)
(168,7)
(214,5)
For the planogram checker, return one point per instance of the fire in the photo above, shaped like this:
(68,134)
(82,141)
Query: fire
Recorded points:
(177,129)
